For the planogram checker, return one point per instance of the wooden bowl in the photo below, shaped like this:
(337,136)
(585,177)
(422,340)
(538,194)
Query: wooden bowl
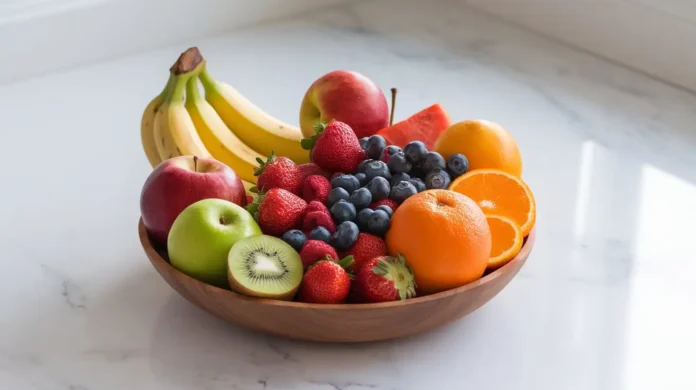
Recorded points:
(338,323)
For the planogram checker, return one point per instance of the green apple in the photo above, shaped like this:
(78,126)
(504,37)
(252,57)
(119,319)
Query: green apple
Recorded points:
(202,235)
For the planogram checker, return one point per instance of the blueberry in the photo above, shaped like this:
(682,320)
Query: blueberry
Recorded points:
(379,188)
(374,147)
(398,163)
(363,164)
(386,209)
(375,169)
(363,217)
(361,178)
(361,198)
(337,194)
(349,183)
(433,161)
(320,233)
(363,141)
(343,211)
(392,150)
(345,236)
(418,183)
(399,177)
(402,191)
(438,179)
(415,151)
(457,165)
(295,238)
(378,223)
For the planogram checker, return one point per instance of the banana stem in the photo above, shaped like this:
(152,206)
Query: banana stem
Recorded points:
(181,81)
(206,79)
(189,64)
(177,94)
(192,91)
(168,87)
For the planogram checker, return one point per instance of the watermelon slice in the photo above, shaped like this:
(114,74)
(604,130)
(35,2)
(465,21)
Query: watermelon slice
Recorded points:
(425,126)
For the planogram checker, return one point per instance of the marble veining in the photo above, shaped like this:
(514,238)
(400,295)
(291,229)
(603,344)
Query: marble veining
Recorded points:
(604,302)
(69,290)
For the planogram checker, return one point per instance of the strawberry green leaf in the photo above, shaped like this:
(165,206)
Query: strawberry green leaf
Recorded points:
(381,268)
(263,164)
(308,143)
(346,261)
(319,127)
(396,270)
(253,207)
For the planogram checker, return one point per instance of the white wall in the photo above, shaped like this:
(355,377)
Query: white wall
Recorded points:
(37,36)
(657,37)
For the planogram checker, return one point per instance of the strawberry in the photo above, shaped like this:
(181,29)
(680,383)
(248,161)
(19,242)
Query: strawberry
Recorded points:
(250,198)
(315,250)
(365,248)
(326,282)
(318,218)
(335,147)
(317,206)
(278,211)
(316,187)
(384,279)
(277,172)
(310,169)
(387,202)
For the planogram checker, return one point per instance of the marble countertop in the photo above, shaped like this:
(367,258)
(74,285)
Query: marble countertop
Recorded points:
(606,300)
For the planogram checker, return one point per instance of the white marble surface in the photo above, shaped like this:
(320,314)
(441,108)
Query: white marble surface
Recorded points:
(606,300)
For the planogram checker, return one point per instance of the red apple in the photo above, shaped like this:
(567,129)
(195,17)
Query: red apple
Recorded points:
(180,181)
(348,97)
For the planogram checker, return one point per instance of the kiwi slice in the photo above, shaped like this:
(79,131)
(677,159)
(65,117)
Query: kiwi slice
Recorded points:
(265,267)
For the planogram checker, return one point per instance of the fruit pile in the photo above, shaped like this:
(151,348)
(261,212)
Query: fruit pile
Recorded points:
(348,208)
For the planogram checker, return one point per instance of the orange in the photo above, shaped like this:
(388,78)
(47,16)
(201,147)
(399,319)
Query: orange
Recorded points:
(444,237)
(485,144)
(506,238)
(499,193)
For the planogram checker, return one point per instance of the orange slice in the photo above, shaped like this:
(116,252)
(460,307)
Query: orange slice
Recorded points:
(506,238)
(499,193)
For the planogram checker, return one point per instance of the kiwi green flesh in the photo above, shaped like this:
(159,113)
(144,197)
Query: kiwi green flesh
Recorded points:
(265,267)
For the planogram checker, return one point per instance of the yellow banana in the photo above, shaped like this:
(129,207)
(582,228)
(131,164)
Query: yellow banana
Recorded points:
(147,125)
(217,137)
(175,133)
(256,128)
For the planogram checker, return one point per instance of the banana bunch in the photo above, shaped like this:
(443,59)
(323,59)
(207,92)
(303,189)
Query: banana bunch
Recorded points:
(221,124)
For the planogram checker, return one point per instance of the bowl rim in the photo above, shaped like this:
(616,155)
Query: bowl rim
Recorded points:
(154,256)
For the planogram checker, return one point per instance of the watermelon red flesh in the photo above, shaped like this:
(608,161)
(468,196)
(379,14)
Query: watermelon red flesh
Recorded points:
(425,126)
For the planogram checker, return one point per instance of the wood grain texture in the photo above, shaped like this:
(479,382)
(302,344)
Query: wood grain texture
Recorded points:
(328,323)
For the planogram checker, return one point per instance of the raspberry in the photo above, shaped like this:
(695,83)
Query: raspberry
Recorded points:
(318,218)
(315,250)
(317,188)
(317,206)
